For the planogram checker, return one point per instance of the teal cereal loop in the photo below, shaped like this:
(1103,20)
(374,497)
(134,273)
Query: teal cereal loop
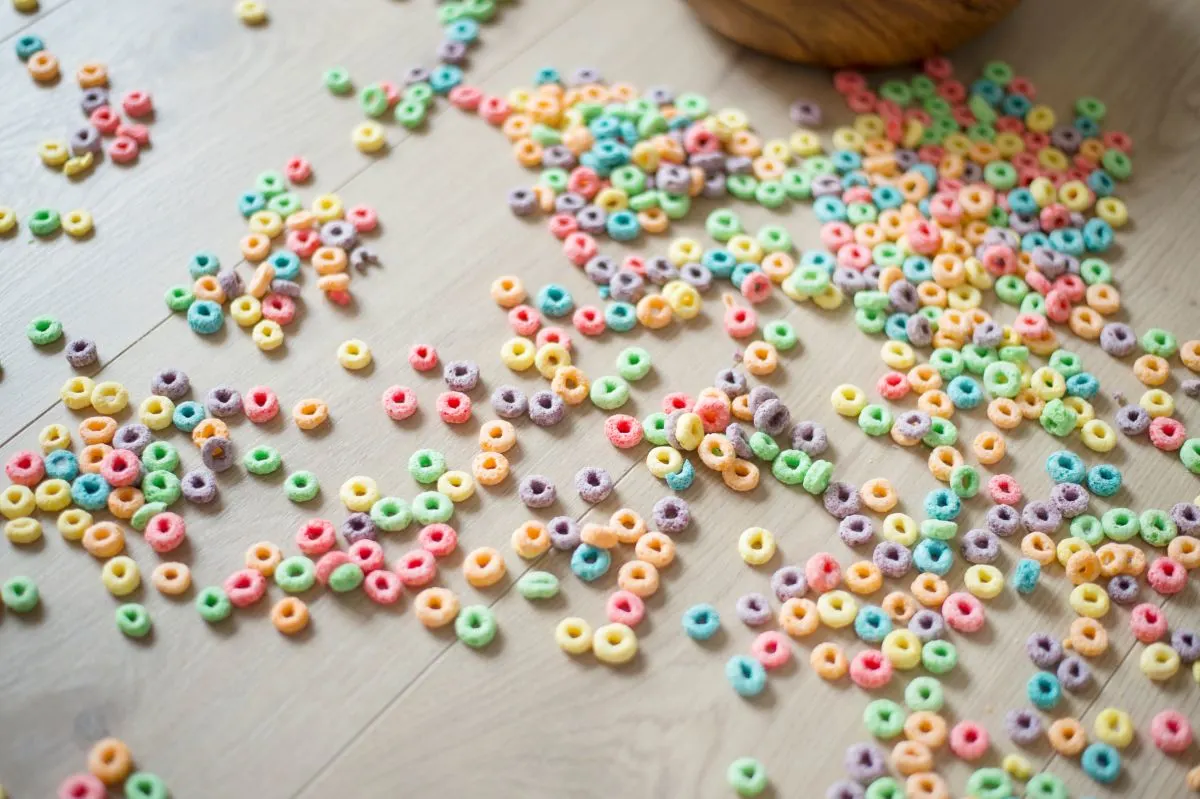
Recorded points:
(162,487)
(682,479)
(622,226)
(621,317)
(205,317)
(964,392)
(43,330)
(1104,480)
(251,202)
(884,719)
(188,415)
(301,486)
(537,585)
(160,456)
(90,491)
(924,693)
(590,563)
(701,622)
(134,621)
(475,626)
(296,574)
(746,675)
(780,334)
(262,460)
(426,466)
(817,478)
(286,264)
(609,392)
(1101,762)
(1026,575)
(431,507)
(391,514)
(179,298)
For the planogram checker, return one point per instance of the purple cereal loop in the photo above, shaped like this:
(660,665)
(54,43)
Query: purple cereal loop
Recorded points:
(569,202)
(810,438)
(601,268)
(1118,339)
(81,352)
(1002,520)
(913,425)
(660,95)
(772,417)
(288,288)
(823,185)
(537,491)
(85,140)
(753,609)
(841,499)
(673,178)
(1023,726)
(671,515)
(988,334)
(1191,387)
(1024,223)
(849,281)
(845,789)
(170,383)
(738,165)
(461,375)
(758,395)
(1133,420)
(1186,644)
(230,282)
(1044,261)
(856,530)
(626,286)
(93,98)
(1074,673)
(1041,517)
(805,114)
(788,582)
(671,425)
(1186,517)
(450,51)
(357,527)
(714,187)
(903,296)
(892,559)
(1044,650)
(708,163)
(223,402)
(871,275)
(565,534)
(199,486)
(731,383)
(1123,589)
(928,625)
(133,437)
(585,75)
(594,484)
(919,331)
(972,172)
(509,402)
(522,201)
(339,233)
(546,409)
(361,257)
(698,276)
(558,156)
(217,453)
(592,220)
(980,546)
(865,762)
(660,271)
(906,159)
(1066,138)
(736,433)
(1071,499)
(415,75)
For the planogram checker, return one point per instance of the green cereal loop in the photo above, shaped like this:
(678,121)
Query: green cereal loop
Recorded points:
(1095,270)
(554,179)
(939,657)
(932,313)
(479,10)
(285,204)
(1045,786)
(942,433)
(160,456)
(19,594)
(816,165)
(144,785)
(1000,175)
(964,481)
(922,86)
(937,106)
(691,105)
(262,460)
(1057,419)
(373,100)
(809,280)
(884,718)
(133,620)
(410,114)
(161,487)
(142,516)
(346,578)
(875,420)
(1157,341)
(872,300)
(337,80)
(1010,289)
(475,626)
(989,783)
(948,363)
(773,238)
(982,111)
(654,429)
(301,486)
(977,358)
(1119,165)
(423,93)
(270,183)
(1189,455)
(430,507)
(1087,528)
(1157,527)
(633,363)
(1016,353)
(770,194)
(860,213)
(629,179)
(998,72)
(797,184)
(451,12)
(651,123)
(538,585)
(885,788)
(426,466)
(1033,303)
(213,605)
(1066,363)
(1090,108)
(643,201)
(887,254)
(869,320)
(179,298)
(675,206)
(609,392)
(1002,379)
(763,446)
(43,222)
(780,335)
(939,529)
(295,574)
(981,132)
(1120,524)
(897,91)
(589,111)
(924,693)
(43,330)
(391,514)
(741,186)
(817,478)
(791,466)
(746,776)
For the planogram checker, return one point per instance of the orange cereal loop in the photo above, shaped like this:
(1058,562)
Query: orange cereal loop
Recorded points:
(628,524)
(943,460)
(743,142)
(927,727)
(638,577)
(97,430)
(104,540)
(91,456)
(1067,736)
(508,291)
(255,247)
(593,93)
(300,220)
(436,607)
(878,495)
(123,502)
(739,407)
(528,152)
(310,413)
(489,468)
(930,590)
(206,287)
(741,475)
(889,276)
(110,761)
(263,557)
(1189,353)
(42,66)
(863,577)
(654,312)
(531,539)
(329,260)
(545,197)
(600,536)
(497,436)
(654,220)
(926,785)
(1103,299)
(1030,403)
(1083,567)
(1135,559)
(1040,547)
(931,294)
(777,266)
(571,384)
(289,615)
(989,447)
(210,427)
(1004,413)
(171,579)
(911,757)
(517,127)
(1088,637)
(484,567)
(900,607)
(798,617)
(948,271)
(1086,322)
(936,403)
(767,168)
(828,661)
(655,548)
(1152,370)
(1112,559)
(923,377)
(1185,550)
(92,74)
(760,358)
(948,339)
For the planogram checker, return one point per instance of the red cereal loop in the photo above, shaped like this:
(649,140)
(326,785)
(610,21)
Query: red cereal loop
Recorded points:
(1166,576)
(699,139)
(756,287)
(893,386)
(584,181)
(870,669)
(677,401)
(245,587)
(367,554)
(338,297)
(931,154)
(417,568)
(454,407)
(625,608)
(303,242)
(1171,731)
(553,335)
(1118,140)
(438,539)
(862,101)
(918,115)
(105,120)
(316,537)
(383,587)
(623,431)
(963,116)
(465,98)
(391,91)
(588,320)
(969,740)
(579,248)
(1072,286)
(82,786)
(924,237)
(120,467)
(279,308)
(562,225)
(963,612)
(1058,306)
(328,563)
(835,235)
(847,81)
(422,357)
(772,649)
(137,103)
(494,110)
(261,405)
(999,259)
(740,322)
(1167,434)
(25,468)
(297,170)
(1004,490)
(1009,125)
(1025,86)
(524,320)
(1031,325)
(399,402)
(822,572)
(363,217)
(938,67)
(123,150)
(136,131)
(857,194)
(165,531)
(713,413)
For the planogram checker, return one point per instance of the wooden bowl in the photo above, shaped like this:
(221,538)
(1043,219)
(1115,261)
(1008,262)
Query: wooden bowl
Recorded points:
(839,33)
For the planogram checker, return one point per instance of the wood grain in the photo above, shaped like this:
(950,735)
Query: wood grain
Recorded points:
(368,703)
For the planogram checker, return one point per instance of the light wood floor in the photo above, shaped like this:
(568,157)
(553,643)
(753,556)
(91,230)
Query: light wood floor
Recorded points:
(368,703)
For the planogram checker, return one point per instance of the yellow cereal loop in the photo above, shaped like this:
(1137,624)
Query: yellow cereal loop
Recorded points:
(458,485)
(830,298)
(76,393)
(358,494)
(327,207)
(517,353)
(1157,403)
(805,143)
(984,581)
(1084,412)
(898,355)
(756,545)
(17,501)
(354,354)
(267,335)
(77,223)
(72,523)
(268,223)
(23,531)
(156,412)
(848,400)
(1098,435)
(662,461)
(120,575)
(684,251)
(54,152)
(837,609)
(685,300)
(573,636)
(77,165)
(745,248)
(901,529)
(1158,661)
(109,397)
(54,436)
(369,137)
(1089,599)
(1017,766)
(246,310)
(250,12)
(614,644)
(549,357)
(52,495)
(1114,727)
(903,649)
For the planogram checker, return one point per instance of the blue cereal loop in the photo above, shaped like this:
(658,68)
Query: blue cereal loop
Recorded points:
(445,78)
(701,622)
(251,202)
(203,263)
(590,563)
(682,479)
(1044,690)
(942,504)
(546,75)
(746,675)
(90,491)
(1103,479)
(286,263)
(872,624)
(188,415)
(554,300)
(964,392)
(933,555)
(1101,762)
(621,317)
(1083,385)
(1026,575)
(1065,466)
(205,317)
(61,464)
